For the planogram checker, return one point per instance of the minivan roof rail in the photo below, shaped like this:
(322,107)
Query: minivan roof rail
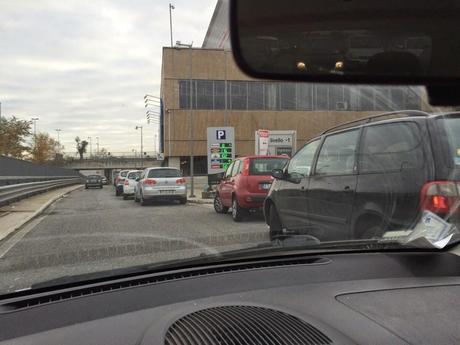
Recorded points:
(373,117)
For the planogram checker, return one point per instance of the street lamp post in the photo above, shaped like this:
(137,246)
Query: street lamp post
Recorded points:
(34,120)
(154,116)
(97,146)
(171,7)
(142,146)
(192,184)
(90,147)
(58,130)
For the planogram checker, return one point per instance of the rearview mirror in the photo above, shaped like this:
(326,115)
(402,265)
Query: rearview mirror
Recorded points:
(278,174)
(359,41)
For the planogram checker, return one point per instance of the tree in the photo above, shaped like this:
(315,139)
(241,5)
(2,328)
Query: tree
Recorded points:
(13,133)
(44,148)
(81,146)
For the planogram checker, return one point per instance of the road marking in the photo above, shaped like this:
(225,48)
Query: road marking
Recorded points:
(18,236)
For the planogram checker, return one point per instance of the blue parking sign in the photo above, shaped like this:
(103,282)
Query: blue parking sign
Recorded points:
(220,134)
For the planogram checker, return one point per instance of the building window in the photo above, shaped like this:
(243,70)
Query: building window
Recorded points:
(204,94)
(288,96)
(238,95)
(219,94)
(255,95)
(184,94)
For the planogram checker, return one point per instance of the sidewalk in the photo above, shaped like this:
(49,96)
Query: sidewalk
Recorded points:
(16,215)
(199,200)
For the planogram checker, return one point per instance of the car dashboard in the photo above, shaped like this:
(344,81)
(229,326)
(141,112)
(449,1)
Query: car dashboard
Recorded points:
(334,298)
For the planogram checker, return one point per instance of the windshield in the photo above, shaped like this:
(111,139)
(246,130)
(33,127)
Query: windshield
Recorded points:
(264,166)
(164,173)
(110,91)
(133,175)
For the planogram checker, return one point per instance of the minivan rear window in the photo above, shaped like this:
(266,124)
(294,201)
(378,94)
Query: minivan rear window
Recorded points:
(391,146)
(452,126)
(164,173)
(264,166)
(123,173)
(133,175)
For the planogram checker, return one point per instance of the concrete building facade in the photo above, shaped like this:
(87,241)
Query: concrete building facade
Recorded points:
(203,87)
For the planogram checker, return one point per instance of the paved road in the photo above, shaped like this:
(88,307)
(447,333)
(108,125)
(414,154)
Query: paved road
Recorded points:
(92,230)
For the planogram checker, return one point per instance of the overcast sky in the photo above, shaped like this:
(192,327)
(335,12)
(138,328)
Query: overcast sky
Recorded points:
(85,66)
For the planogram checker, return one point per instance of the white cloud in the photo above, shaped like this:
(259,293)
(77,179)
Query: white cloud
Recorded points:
(84,66)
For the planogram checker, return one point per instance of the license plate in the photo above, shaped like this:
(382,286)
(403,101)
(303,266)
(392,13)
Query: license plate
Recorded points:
(266,185)
(166,192)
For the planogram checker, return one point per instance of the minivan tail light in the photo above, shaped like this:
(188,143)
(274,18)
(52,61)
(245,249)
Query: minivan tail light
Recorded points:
(180,181)
(149,181)
(440,197)
(245,170)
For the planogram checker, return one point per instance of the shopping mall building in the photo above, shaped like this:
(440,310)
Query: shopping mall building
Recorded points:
(203,87)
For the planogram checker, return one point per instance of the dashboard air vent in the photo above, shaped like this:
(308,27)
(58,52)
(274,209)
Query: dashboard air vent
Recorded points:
(243,325)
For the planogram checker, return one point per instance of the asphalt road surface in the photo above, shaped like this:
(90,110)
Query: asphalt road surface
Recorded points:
(92,230)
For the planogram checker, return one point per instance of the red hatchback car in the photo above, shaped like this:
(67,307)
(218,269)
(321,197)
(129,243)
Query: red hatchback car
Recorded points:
(245,184)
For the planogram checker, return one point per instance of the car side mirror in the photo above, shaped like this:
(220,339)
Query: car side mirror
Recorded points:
(278,174)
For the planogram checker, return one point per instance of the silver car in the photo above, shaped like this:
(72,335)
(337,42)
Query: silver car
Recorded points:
(160,184)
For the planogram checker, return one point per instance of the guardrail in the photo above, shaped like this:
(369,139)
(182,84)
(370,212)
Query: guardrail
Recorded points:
(15,192)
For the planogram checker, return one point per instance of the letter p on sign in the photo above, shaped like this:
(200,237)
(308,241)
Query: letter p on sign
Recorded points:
(220,134)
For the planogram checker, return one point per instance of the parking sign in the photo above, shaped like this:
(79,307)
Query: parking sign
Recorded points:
(221,148)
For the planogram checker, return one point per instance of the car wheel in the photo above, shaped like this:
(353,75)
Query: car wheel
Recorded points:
(218,206)
(238,213)
(136,199)
(125,197)
(276,228)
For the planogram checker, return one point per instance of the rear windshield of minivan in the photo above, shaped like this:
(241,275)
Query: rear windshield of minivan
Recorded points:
(264,166)
(133,175)
(452,126)
(123,173)
(164,173)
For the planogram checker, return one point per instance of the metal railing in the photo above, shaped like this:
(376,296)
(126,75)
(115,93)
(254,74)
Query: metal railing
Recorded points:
(15,192)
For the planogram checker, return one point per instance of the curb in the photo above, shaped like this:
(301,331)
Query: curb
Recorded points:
(200,201)
(38,212)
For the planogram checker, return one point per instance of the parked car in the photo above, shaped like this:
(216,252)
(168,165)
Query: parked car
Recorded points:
(105,181)
(245,184)
(160,184)
(363,180)
(129,183)
(93,181)
(119,181)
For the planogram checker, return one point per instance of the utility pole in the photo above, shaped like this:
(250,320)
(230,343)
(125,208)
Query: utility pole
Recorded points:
(34,120)
(58,130)
(90,147)
(142,147)
(171,7)
(97,146)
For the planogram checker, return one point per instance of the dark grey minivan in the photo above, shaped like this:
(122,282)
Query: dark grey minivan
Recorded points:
(367,177)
